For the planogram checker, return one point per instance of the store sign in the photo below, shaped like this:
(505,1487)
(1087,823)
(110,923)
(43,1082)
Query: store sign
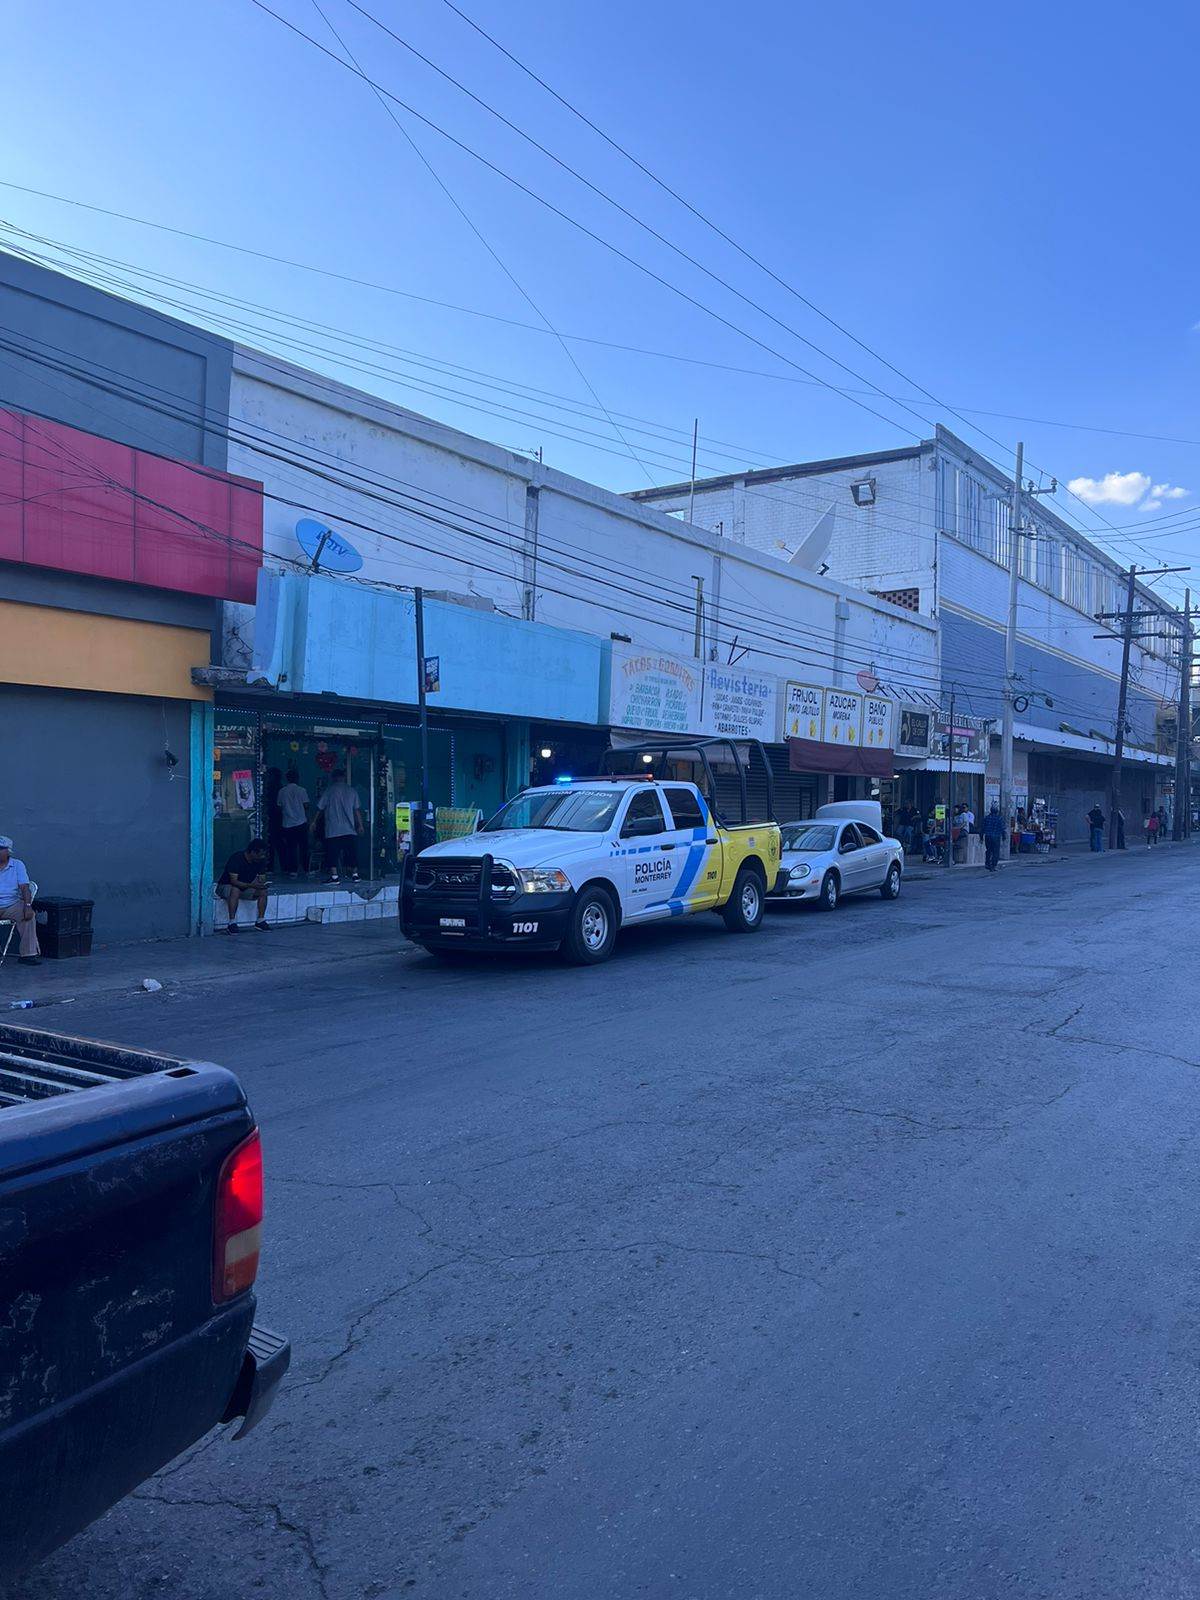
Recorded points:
(650,689)
(842,723)
(916,729)
(804,711)
(879,715)
(431,668)
(970,736)
(738,705)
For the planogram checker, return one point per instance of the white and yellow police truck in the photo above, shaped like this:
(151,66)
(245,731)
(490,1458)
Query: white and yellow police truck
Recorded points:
(568,865)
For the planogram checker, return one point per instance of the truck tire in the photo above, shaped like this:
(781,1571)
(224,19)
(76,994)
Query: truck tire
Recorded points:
(831,892)
(743,911)
(592,930)
(890,888)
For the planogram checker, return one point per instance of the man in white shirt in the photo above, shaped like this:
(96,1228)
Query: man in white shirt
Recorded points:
(16,902)
(293,809)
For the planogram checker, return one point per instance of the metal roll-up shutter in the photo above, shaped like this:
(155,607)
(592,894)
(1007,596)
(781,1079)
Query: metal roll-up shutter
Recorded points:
(795,792)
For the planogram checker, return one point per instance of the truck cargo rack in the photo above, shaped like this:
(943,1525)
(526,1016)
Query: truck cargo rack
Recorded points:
(666,748)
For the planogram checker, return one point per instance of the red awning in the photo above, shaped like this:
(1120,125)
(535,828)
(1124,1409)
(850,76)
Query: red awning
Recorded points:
(811,755)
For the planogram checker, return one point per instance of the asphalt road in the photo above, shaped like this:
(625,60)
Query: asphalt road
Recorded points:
(858,1258)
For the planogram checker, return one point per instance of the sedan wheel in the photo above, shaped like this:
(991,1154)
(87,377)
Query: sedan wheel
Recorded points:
(831,892)
(890,888)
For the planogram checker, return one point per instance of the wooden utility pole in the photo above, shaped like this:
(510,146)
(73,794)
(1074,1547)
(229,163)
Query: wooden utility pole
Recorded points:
(1007,808)
(950,785)
(1181,822)
(1114,787)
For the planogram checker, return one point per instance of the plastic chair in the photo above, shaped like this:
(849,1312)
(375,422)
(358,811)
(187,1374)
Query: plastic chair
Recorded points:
(12,927)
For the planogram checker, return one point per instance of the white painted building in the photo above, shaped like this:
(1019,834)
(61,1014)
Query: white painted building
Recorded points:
(425,504)
(926,527)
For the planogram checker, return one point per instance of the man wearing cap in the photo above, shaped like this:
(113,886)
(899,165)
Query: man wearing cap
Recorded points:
(16,901)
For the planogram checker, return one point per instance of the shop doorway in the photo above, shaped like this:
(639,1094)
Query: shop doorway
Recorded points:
(315,752)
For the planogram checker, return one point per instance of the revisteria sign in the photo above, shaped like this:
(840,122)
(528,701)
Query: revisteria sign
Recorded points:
(650,689)
(842,723)
(804,711)
(738,705)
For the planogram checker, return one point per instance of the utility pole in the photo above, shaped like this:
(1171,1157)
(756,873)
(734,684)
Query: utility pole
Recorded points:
(692,490)
(1114,788)
(1007,809)
(1127,638)
(419,608)
(698,643)
(950,784)
(1181,824)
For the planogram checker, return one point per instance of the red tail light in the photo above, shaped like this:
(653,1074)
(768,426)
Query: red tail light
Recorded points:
(237,1227)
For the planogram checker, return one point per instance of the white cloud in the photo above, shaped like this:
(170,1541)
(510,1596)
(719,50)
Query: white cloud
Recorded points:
(1127,489)
(1113,489)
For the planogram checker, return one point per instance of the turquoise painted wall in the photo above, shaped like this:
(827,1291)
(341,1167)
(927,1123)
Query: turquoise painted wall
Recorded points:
(325,636)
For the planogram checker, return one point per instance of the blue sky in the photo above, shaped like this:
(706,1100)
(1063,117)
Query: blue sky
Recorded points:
(998,203)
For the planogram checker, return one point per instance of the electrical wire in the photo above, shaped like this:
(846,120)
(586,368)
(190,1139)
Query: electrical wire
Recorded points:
(685,608)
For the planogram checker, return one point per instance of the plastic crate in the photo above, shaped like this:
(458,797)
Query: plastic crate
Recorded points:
(64,926)
(58,946)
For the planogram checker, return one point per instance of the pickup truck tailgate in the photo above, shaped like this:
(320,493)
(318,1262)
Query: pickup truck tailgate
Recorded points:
(113,1355)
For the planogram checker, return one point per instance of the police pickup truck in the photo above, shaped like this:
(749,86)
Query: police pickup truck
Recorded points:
(566,866)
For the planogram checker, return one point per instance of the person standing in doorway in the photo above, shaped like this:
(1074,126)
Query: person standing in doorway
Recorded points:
(1151,829)
(1096,824)
(340,807)
(293,810)
(993,837)
(16,902)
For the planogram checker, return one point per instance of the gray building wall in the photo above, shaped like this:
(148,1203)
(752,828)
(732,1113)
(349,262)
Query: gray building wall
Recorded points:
(93,809)
(49,322)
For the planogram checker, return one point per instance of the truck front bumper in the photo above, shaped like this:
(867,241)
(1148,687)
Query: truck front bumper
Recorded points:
(525,922)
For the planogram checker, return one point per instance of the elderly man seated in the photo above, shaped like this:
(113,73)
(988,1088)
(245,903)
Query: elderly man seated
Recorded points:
(16,901)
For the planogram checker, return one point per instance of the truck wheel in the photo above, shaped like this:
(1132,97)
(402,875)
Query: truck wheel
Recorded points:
(890,888)
(831,892)
(743,912)
(592,931)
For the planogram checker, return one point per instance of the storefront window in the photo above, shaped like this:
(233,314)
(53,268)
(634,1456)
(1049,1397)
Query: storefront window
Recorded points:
(235,784)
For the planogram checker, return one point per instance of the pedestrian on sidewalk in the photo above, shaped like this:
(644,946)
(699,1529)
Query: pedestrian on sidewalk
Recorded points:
(340,807)
(1164,823)
(916,843)
(293,810)
(16,902)
(1096,824)
(1152,829)
(993,834)
(245,876)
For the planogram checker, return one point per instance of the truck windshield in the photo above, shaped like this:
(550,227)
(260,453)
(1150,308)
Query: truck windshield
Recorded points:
(565,810)
(806,836)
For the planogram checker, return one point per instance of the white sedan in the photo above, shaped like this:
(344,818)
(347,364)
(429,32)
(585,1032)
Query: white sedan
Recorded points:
(840,851)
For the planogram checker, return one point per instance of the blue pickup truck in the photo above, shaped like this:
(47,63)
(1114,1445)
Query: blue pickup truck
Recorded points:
(130,1226)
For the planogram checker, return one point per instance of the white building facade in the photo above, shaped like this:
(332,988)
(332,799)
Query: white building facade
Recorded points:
(684,630)
(926,528)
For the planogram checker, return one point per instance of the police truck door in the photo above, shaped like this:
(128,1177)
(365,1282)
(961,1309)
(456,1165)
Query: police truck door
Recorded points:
(651,858)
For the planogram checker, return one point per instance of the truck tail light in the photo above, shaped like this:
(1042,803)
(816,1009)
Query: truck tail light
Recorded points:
(237,1226)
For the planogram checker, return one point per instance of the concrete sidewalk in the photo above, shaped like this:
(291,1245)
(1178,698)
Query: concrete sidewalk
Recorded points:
(921,871)
(120,968)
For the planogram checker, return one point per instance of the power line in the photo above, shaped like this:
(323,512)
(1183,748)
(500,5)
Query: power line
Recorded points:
(482,237)
(684,607)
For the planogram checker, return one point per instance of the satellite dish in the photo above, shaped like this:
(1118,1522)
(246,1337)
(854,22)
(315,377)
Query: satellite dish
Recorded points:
(814,547)
(868,681)
(327,550)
